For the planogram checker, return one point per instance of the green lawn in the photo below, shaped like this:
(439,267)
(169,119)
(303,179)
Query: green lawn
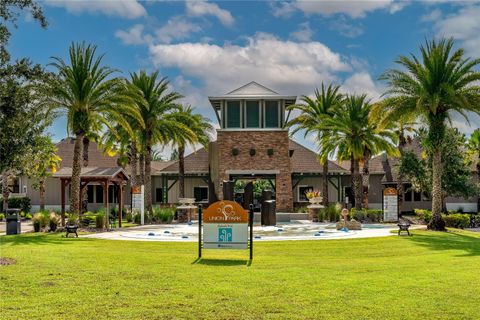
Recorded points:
(427,276)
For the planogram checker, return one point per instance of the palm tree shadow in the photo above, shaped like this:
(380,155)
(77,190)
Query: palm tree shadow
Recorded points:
(454,241)
(40,239)
(222,262)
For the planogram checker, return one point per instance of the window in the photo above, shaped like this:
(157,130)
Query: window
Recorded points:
(99,194)
(417,196)
(272,114)
(302,193)
(408,195)
(159,195)
(200,194)
(253,114)
(90,193)
(233,114)
(112,194)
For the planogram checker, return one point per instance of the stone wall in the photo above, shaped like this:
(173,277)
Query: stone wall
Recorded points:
(261,141)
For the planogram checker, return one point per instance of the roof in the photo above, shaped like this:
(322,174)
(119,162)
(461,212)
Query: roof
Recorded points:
(92,172)
(305,160)
(96,157)
(195,163)
(251,90)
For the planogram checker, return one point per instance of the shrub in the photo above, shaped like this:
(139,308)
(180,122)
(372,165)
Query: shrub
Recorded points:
(302,209)
(54,221)
(28,216)
(456,220)
(425,215)
(22,203)
(2,216)
(99,220)
(330,213)
(163,215)
(129,216)
(41,220)
(137,218)
(364,215)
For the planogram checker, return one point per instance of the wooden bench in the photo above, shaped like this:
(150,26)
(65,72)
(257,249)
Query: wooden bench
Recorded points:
(71,229)
(403,227)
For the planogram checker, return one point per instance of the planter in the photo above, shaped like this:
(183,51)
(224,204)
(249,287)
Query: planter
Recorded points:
(53,227)
(316,200)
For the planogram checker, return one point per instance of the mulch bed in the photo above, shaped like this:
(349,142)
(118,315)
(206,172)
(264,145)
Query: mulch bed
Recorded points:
(7,261)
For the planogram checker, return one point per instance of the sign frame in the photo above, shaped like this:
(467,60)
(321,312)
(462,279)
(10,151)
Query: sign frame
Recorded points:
(393,193)
(248,217)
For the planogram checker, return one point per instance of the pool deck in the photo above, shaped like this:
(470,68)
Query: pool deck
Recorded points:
(295,230)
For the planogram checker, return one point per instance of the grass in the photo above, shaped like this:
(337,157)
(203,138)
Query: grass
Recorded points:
(427,276)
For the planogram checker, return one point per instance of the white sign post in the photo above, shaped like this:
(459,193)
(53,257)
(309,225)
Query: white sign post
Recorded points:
(138,202)
(390,205)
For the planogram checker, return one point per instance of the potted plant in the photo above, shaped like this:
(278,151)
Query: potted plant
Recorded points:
(37,218)
(54,221)
(314,196)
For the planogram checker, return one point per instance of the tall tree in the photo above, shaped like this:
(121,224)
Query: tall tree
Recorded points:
(312,112)
(201,129)
(157,108)
(352,131)
(474,148)
(39,163)
(85,90)
(431,87)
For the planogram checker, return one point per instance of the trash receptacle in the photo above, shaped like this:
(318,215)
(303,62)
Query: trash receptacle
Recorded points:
(13,221)
(269,217)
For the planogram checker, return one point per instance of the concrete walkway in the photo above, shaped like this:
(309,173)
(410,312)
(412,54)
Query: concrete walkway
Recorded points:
(297,230)
(26,226)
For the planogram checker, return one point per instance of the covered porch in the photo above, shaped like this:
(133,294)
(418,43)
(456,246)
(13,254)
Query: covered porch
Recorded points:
(105,177)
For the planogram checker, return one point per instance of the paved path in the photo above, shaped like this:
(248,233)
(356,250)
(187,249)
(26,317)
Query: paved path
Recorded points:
(26,226)
(299,230)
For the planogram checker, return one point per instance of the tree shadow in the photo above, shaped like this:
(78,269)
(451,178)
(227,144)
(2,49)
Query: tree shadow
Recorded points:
(222,262)
(452,240)
(40,239)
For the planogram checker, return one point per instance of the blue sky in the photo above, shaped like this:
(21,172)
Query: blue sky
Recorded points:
(208,48)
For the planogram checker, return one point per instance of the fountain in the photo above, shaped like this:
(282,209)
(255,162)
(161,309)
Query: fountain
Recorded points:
(186,210)
(345,225)
(315,199)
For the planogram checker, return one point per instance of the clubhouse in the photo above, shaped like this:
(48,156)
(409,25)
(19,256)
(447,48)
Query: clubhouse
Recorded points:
(252,144)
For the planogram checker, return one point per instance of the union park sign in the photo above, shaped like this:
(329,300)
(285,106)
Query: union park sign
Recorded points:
(225,226)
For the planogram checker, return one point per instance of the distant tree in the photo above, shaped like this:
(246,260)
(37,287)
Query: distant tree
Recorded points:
(457,173)
(39,163)
(174,155)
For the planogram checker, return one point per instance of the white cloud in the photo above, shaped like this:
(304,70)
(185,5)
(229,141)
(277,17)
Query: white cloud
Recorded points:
(346,29)
(464,25)
(177,28)
(432,16)
(133,36)
(362,83)
(287,66)
(204,8)
(129,9)
(354,9)
(304,32)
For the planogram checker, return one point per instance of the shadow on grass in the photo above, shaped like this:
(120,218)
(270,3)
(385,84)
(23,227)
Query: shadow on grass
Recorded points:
(452,240)
(222,262)
(39,239)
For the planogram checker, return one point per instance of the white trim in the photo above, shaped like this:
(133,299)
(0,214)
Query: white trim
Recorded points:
(466,206)
(298,192)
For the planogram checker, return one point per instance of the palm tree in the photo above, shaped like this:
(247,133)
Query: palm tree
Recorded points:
(201,129)
(313,111)
(474,148)
(157,108)
(84,91)
(431,87)
(351,132)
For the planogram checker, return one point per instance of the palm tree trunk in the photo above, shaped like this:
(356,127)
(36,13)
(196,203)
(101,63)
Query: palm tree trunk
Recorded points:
(141,166)
(86,144)
(325,183)
(181,171)
(357,184)
(5,190)
(437,222)
(148,174)
(133,164)
(76,170)
(41,189)
(401,147)
(366,179)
